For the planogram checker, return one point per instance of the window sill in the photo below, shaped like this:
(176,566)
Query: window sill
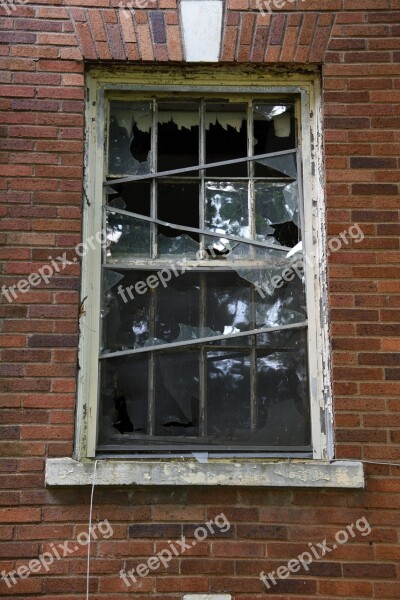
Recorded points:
(216,472)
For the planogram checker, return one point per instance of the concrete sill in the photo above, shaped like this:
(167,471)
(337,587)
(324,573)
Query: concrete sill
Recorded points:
(217,472)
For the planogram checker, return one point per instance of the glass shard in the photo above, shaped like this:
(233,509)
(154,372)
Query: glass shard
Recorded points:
(226,138)
(274,130)
(127,237)
(228,306)
(178,203)
(117,202)
(276,204)
(181,245)
(178,135)
(284,164)
(129,138)
(194,333)
(226,212)
(126,323)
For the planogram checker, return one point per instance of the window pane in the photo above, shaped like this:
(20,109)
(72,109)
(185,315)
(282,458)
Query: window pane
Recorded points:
(177,393)
(274,130)
(158,290)
(129,138)
(277,166)
(178,203)
(178,308)
(277,213)
(178,135)
(226,138)
(228,393)
(127,237)
(133,196)
(126,318)
(228,307)
(123,399)
(282,387)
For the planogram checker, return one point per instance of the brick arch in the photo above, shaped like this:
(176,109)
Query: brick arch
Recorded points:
(276,38)
(118,34)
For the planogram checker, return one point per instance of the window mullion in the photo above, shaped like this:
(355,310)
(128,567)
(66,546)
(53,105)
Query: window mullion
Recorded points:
(153,207)
(202,156)
(252,235)
(153,300)
(202,365)
(202,353)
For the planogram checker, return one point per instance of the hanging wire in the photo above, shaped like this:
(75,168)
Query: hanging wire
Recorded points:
(90,531)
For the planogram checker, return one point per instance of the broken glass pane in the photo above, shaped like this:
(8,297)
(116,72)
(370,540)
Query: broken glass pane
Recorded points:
(274,128)
(182,245)
(233,303)
(227,208)
(276,204)
(228,386)
(123,398)
(178,135)
(178,203)
(117,202)
(177,393)
(178,303)
(129,138)
(110,279)
(134,195)
(228,307)
(194,333)
(126,323)
(226,212)
(127,237)
(226,138)
(283,396)
(283,164)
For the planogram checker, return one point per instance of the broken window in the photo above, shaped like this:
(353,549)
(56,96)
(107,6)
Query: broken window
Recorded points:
(204,319)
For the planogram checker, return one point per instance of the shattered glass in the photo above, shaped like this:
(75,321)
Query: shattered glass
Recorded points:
(178,203)
(178,135)
(133,196)
(153,308)
(226,212)
(274,130)
(226,138)
(276,204)
(283,164)
(129,138)
(127,236)
(228,305)
(110,279)
(185,358)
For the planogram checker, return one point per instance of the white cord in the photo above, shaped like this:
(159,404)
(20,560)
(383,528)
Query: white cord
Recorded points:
(90,531)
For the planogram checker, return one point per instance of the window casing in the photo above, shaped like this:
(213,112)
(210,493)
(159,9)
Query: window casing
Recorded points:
(209,360)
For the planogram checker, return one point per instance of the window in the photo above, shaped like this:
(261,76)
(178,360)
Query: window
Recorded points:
(197,336)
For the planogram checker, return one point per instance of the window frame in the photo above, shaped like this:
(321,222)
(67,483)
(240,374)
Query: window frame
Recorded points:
(99,83)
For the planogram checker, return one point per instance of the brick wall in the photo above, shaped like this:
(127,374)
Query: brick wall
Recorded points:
(357,42)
